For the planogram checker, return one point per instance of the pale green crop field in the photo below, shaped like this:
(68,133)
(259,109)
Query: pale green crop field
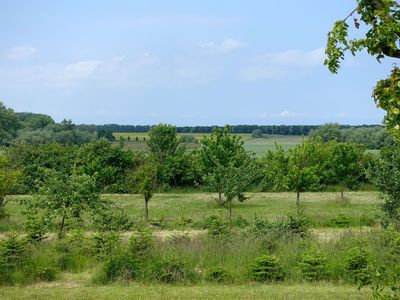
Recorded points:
(258,146)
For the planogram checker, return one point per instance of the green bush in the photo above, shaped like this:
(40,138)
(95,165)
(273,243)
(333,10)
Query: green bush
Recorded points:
(105,243)
(356,265)
(266,268)
(217,226)
(113,220)
(313,264)
(366,220)
(219,275)
(298,225)
(158,223)
(341,220)
(120,266)
(171,269)
(12,252)
(141,241)
(290,226)
(241,222)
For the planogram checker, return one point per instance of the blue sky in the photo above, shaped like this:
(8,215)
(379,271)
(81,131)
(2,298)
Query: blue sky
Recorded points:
(182,62)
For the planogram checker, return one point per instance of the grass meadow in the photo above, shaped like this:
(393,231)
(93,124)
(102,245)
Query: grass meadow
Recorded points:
(183,260)
(323,209)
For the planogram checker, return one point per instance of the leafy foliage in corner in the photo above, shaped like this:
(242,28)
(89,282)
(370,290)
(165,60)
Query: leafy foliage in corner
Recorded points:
(381,18)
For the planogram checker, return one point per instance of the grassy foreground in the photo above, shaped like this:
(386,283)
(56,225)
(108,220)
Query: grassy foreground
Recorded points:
(322,209)
(206,291)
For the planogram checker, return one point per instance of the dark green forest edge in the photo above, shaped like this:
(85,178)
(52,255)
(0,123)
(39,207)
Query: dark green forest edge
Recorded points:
(65,225)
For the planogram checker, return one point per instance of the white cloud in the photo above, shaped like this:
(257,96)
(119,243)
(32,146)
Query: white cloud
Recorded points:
(229,45)
(21,53)
(207,45)
(81,69)
(283,64)
(285,113)
(294,58)
(226,46)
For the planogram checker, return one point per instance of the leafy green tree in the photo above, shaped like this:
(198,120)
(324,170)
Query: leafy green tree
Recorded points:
(304,170)
(106,133)
(384,173)
(109,166)
(327,132)
(9,124)
(218,151)
(34,121)
(163,141)
(256,133)
(65,197)
(228,169)
(235,180)
(274,170)
(146,181)
(32,161)
(175,166)
(381,19)
(345,163)
(9,177)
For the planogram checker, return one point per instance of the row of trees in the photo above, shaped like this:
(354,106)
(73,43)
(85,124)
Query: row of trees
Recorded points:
(221,165)
(371,137)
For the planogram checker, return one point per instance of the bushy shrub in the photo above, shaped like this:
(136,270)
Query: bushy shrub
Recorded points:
(105,243)
(290,226)
(216,226)
(313,264)
(35,227)
(367,220)
(74,252)
(158,223)
(171,269)
(266,268)
(12,252)
(341,220)
(141,241)
(298,225)
(219,275)
(12,256)
(119,266)
(113,220)
(185,222)
(46,273)
(241,222)
(356,265)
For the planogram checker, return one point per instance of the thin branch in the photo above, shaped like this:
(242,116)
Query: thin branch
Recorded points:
(351,14)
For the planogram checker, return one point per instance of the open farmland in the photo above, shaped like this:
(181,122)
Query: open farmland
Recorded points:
(137,141)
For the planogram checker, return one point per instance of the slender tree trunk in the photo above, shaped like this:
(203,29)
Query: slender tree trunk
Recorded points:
(62,224)
(342,190)
(298,203)
(219,198)
(146,209)
(230,214)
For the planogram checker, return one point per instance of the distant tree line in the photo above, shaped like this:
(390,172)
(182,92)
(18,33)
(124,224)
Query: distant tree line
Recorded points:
(371,137)
(266,129)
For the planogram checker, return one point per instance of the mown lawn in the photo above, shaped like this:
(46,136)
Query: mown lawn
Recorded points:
(205,291)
